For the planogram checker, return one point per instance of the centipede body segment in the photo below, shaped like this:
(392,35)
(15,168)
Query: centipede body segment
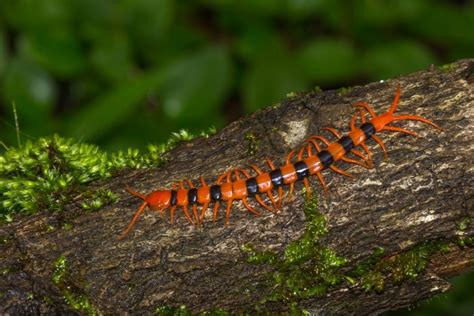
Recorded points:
(317,154)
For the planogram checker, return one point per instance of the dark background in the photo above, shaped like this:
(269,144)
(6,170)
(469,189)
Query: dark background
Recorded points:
(125,73)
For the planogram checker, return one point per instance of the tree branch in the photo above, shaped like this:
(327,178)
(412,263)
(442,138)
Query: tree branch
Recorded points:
(417,206)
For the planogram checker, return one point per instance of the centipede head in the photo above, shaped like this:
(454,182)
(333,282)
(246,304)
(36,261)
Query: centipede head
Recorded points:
(157,200)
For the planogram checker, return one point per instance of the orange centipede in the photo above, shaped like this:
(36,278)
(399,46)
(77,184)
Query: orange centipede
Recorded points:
(317,154)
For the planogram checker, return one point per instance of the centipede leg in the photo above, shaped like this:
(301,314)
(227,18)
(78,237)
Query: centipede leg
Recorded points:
(203,212)
(227,212)
(340,171)
(244,200)
(260,201)
(194,207)
(369,153)
(132,222)
(415,118)
(216,207)
(394,105)
(272,167)
(399,129)
(186,213)
(375,137)
(288,158)
(251,209)
(355,152)
(382,145)
(257,197)
(305,180)
(320,176)
(129,190)
(365,105)
(173,209)
(206,205)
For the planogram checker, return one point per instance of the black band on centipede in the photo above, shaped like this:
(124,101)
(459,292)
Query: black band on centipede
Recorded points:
(174,197)
(252,186)
(276,177)
(368,129)
(346,143)
(326,158)
(216,192)
(302,170)
(192,196)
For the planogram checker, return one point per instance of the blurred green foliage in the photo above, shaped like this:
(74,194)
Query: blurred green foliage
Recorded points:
(129,72)
(125,73)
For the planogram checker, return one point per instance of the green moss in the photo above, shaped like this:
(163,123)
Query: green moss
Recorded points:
(184,311)
(412,263)
(47,173)
(373,281)
(172,311)
(60,268)
(374,271)
(78,302)
(6,270)
(447,67)
(67,226)
(367,264)
(95,200)
(464,224)
(465,241)
(252,143)
(215,312)
(291,94)
(344,90)
(307,268)
(4,240)
(317,89)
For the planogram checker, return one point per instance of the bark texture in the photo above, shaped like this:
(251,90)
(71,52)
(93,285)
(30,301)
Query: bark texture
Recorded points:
(420,193)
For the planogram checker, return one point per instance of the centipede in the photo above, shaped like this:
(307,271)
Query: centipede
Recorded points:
(317,154)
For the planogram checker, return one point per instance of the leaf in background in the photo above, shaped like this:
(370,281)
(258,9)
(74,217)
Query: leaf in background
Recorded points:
(256,40)
(40,16)
(192,88)
(3,55)
(197,86)
(328,61)
(112,108)
(272,75)
(33,92)
(111,58)
(446,24)
(387,60)
(148,21)
(57,51)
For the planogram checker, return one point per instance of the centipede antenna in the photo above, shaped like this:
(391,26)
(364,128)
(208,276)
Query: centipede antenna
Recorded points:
(139,195)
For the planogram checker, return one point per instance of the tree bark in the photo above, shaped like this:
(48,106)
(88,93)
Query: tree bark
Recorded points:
(421,193)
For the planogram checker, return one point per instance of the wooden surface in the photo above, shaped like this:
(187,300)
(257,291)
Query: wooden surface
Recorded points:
(420,193)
